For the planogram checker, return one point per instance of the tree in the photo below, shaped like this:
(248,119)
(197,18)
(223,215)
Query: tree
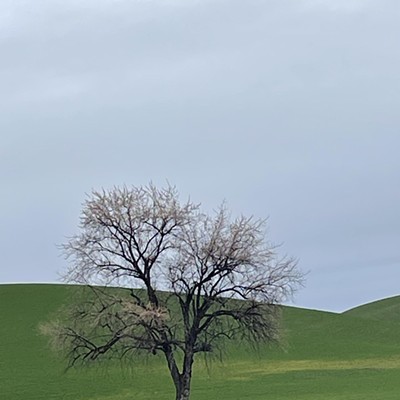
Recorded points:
(219,277)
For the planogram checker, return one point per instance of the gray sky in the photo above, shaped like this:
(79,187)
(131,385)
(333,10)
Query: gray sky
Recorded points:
(288,109)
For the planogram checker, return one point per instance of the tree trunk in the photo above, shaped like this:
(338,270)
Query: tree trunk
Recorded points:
(183,387)
(181,380)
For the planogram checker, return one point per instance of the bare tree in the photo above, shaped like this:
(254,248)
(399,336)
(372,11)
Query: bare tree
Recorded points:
(219,277)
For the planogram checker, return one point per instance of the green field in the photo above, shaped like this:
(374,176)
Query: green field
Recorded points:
(350,356)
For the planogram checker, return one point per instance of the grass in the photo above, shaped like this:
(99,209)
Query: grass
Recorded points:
(381,310)
(350,356)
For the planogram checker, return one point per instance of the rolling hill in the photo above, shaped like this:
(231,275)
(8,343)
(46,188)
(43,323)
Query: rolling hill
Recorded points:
(349,356)
(381,310)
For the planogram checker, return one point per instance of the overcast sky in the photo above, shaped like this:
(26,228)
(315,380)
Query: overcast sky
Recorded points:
(288,109)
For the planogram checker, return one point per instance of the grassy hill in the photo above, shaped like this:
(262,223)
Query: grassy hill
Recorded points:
(350,356)
(381,310)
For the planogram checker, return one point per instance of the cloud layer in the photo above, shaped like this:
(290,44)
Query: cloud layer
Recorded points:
(288,109)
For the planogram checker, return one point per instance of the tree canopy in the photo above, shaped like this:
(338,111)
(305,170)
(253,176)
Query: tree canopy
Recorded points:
(205,279)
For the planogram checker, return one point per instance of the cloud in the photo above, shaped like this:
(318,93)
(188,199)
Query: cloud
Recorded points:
(285,108)
(342,6)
